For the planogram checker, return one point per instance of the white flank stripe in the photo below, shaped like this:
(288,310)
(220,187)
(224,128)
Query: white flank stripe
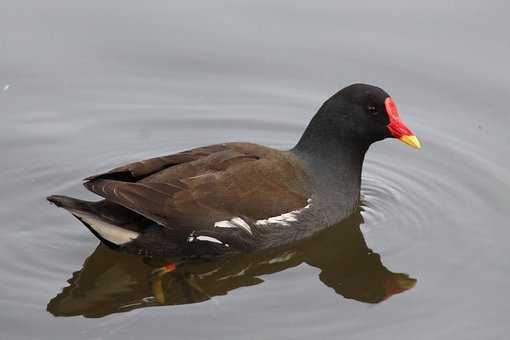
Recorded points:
(234,222)
(285,219)
(208,239)
(224,224)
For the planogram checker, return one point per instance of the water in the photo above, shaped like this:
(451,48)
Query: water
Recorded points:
(88,86)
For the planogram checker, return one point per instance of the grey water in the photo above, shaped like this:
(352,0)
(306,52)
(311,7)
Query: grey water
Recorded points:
(87,86)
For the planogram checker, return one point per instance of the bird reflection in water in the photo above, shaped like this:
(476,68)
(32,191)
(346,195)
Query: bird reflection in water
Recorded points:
(112,282)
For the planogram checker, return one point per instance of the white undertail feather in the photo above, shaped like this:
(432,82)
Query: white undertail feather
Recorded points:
(109,232)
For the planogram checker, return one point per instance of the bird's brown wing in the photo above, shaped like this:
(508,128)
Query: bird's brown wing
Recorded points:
(136,171)
(197,188)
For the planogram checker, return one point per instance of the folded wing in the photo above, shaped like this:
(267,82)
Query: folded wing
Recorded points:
(198,188)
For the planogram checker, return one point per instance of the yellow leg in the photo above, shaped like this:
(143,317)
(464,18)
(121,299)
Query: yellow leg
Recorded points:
(157,283)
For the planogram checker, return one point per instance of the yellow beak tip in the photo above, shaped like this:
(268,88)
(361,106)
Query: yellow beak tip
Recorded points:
(411,141)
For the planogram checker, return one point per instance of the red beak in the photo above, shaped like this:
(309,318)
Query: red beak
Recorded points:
(397,127)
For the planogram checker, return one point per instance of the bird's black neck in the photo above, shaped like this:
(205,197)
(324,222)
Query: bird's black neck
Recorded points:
(335,165)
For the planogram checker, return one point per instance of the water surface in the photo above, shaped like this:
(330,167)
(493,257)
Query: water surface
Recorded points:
(86,87)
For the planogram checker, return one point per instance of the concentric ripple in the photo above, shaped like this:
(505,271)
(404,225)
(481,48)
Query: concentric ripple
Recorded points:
(440,193)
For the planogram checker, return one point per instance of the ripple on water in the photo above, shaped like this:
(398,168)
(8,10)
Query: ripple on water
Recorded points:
(417,201)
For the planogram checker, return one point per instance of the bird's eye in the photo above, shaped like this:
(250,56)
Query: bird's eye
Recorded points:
(372,110)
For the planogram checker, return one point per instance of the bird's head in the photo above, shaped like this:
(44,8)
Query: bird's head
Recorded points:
(363,113)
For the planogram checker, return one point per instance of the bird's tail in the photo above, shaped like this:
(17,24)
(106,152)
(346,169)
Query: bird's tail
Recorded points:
(106,222)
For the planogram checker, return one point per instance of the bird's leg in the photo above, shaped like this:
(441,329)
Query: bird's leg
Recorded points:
(157,283)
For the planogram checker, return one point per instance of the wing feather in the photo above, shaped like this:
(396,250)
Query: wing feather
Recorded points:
(197,188)
(133,172)
(151,201)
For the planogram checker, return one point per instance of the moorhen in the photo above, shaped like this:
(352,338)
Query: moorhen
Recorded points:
(240,197)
